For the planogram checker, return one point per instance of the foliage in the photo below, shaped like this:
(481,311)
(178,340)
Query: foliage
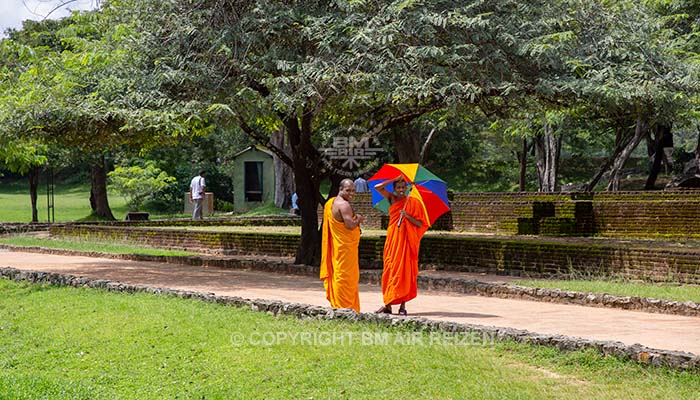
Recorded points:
(137,183)
(139,76)
(20,156)
(223,205)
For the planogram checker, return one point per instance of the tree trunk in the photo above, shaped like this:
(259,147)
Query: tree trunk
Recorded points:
(639,132)
(407,145)
(522,162)
(661,137)
(697,155)
(308,186)
(307,179)
(547,151)
(620,143)
(284,176)
(98,191)
(335,184)
(33,176)
(93,204)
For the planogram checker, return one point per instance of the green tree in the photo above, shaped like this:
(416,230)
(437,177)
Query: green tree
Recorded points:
(137,183)
(25,158)
(76,87)
(317,68)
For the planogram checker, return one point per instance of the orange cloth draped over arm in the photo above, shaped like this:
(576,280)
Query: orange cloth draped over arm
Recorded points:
(399,278)
(340,268)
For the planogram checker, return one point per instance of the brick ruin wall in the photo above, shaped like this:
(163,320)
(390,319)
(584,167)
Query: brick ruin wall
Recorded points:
(519,256)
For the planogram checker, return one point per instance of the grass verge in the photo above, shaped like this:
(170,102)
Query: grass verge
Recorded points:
(81,245)
(621,288)
(80,343)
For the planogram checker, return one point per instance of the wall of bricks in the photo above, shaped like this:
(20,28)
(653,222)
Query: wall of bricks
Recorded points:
(281,220)
(278,244)
(622,214)
(521,256)
(15,228)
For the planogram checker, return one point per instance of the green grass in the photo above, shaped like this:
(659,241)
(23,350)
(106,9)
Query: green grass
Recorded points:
(71,203)
(621,288)
(83,245)
(265,209)
(78,343)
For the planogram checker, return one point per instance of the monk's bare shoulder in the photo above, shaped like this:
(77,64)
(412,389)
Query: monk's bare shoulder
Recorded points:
(340,206)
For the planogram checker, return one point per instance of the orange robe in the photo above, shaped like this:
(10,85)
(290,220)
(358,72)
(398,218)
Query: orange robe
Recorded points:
(399,278)
(340,267)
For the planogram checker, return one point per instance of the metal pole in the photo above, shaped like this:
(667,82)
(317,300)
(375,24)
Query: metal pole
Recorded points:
(49,194)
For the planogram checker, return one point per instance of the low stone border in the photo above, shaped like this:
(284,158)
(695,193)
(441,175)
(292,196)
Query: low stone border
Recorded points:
(636,352)
(14,228)
(281,265)
(506,291)
(451,285)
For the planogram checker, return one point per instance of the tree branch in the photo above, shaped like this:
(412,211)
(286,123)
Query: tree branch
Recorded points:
(426,145)
(403,118)
(265,141)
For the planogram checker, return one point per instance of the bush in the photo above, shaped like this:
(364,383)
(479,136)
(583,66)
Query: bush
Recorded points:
(137,183)
(223,205)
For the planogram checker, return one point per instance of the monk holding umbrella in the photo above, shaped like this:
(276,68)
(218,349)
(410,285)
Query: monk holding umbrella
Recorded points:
(410,215)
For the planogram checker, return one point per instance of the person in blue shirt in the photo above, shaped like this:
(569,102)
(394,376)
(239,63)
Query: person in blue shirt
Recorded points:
(361,185)
(295,207)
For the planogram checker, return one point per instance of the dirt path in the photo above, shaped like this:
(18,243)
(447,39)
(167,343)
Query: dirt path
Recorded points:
(668,332)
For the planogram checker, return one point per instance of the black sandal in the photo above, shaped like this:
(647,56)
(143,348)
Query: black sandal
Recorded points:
(402,311)
(384,310)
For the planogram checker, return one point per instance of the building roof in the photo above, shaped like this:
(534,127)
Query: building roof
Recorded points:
(254,148)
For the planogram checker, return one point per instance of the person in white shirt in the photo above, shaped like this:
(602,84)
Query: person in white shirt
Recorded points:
(197,190)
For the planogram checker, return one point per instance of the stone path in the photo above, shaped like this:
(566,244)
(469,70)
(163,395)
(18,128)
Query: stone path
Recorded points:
(667,332)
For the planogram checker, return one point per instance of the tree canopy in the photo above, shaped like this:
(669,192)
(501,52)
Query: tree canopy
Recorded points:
(555,74)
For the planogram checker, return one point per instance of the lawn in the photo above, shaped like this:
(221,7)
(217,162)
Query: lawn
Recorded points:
(621,288)
(71,203)
(79,343)
(93,246)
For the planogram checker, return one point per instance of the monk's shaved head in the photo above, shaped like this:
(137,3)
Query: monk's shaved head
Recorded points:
(345,183)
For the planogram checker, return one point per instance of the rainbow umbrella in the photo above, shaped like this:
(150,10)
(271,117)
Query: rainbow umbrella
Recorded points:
(425,186)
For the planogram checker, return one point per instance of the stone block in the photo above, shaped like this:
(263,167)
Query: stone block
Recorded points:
(208,204)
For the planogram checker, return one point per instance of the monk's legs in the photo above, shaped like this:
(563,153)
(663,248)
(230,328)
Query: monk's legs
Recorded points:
(384,310)
(402,309)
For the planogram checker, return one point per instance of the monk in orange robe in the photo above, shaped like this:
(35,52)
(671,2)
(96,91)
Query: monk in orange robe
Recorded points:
(340,267)
(407,224)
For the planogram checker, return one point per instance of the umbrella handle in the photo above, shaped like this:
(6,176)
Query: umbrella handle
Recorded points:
(401,217)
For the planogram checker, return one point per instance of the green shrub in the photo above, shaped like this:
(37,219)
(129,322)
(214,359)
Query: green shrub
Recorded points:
(223,205)
(137,183)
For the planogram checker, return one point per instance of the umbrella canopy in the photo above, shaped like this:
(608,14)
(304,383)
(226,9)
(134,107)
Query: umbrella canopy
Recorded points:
(425,186)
